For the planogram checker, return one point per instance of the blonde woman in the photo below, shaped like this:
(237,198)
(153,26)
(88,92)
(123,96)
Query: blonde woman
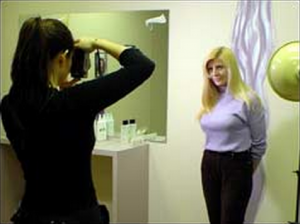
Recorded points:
(233,120)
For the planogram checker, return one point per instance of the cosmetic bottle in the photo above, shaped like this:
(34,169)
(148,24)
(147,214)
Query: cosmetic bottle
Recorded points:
(125,131)
(101,133)
(132,129)
(110,125)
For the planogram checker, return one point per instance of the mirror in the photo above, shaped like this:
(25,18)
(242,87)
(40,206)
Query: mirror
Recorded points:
(147,104)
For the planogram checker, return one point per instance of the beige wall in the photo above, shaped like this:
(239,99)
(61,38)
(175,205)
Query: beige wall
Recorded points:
(196,27)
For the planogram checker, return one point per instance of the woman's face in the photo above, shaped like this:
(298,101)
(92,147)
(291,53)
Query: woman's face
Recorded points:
(217,72)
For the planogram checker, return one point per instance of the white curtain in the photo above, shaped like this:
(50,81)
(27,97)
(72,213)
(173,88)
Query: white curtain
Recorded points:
(252,41)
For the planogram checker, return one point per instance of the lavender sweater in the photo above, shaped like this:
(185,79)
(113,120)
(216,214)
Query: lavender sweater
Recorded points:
(233,126)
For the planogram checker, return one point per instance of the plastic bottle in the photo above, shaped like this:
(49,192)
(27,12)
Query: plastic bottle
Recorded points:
(125,131)
(110,124)
(101,133)
(132,129)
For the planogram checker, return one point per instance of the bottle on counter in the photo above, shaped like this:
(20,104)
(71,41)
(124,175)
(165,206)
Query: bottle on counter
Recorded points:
(125,131)
(132,129)
(110,124)
(101,128)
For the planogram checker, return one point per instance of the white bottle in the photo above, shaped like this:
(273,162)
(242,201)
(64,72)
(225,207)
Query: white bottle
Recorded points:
(101,134)
(125,131)
(110,125)
(132,129)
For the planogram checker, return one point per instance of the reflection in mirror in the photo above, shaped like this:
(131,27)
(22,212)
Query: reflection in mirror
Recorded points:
(147,30)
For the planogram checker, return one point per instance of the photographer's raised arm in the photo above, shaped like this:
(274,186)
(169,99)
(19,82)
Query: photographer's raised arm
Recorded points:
(97,94)
(91,44)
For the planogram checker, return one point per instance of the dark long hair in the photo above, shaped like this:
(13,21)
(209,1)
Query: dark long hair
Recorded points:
(40,40)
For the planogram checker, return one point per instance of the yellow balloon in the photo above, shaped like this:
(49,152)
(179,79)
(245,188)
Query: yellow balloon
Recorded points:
(283,71)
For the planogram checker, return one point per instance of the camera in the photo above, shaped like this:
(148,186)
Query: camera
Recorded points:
(100,63)
(80,63)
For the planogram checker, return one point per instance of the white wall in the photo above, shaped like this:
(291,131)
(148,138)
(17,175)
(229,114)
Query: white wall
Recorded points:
(195,28)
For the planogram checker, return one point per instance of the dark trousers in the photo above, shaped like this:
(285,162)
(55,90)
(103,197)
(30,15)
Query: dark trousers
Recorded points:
(227,185)
(96,215)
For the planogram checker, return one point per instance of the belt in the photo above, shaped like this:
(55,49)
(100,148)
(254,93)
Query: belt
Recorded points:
(228,153)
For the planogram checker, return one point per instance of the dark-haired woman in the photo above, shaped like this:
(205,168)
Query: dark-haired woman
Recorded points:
(51,128)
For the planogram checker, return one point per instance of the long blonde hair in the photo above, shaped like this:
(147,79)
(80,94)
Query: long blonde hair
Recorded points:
(235,84)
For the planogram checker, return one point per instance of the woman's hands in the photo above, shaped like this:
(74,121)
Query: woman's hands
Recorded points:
(86,44)
(69,83)
(91,44)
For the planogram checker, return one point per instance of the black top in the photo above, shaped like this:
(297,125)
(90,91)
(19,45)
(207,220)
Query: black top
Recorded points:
(54,145)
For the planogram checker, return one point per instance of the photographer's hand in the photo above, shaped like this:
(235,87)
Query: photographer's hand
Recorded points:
(86,44)
(69,83)
(90,44)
